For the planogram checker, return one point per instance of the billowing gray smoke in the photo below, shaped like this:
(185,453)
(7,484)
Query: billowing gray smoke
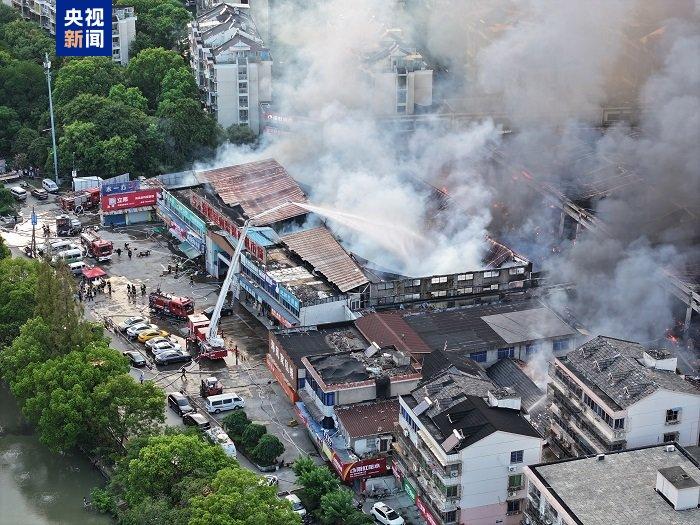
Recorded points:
(549,65)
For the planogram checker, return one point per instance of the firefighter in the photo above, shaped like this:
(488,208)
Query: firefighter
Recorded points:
(109,287)
(143,288)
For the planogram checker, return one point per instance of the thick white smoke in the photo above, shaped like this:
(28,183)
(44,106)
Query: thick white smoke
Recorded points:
(549,66)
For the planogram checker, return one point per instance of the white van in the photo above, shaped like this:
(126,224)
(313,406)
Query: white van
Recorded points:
(49,185)
(18,193)
(221,402)
(69,256)
(76,268)
(59,246)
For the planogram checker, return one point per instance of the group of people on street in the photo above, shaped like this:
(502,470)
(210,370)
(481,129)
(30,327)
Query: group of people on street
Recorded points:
(88,290)
(131,290)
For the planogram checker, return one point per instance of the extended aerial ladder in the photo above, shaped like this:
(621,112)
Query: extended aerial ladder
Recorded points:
(213,339)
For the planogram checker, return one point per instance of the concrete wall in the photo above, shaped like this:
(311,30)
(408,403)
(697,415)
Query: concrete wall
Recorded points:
(227,94)
(331,312)
(127,33)
(422,81)
(485,472)
(646,420)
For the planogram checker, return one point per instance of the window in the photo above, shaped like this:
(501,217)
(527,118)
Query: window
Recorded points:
(561,344)
(672,416)
(515,482)
(301,382)
(438,280)
(516,456)
(385,286)
(506,352)
(516,271)
(479,357)
(452,491)
(439,293)
(619,424)
(465,277)
(513,506)
(329,399)
(408,419)
(464,291)
(531,348)
(449,517)
(670,437)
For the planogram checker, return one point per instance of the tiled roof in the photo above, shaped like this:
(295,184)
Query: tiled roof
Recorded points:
(369,419)
(390,329)
(611,368)
(319,248)
(257,187)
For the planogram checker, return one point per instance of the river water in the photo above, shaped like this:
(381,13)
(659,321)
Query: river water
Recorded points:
(37,486)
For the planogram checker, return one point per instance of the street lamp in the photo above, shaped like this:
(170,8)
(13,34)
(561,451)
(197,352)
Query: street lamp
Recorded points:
(47,70)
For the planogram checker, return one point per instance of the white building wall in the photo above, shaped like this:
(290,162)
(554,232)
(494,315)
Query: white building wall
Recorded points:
(646,419)
(226,94)
(422,81)
(331,312)
(485,472)
(126,31)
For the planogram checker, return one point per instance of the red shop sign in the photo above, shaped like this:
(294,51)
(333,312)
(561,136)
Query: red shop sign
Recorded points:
(363,469)
(133,199)
(425,512)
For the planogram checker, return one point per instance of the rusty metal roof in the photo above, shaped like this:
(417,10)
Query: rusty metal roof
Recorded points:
(369,419)
(321,250)
(390,329)
(257,187)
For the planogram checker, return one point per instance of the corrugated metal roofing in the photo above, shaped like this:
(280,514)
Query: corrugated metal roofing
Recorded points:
(389,328)
(319,248)
(257,187)
(371,419)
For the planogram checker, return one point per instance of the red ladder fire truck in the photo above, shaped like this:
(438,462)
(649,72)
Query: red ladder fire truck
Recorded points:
(96,247)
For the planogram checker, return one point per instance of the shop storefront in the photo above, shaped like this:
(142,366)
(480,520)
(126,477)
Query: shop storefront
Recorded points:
(188,230)
(131,207)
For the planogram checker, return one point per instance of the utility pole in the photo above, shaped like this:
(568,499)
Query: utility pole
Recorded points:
(47,70)
(32,246)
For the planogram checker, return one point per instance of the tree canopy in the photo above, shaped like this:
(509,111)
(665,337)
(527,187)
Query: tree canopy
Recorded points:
(148,69)
(94,75)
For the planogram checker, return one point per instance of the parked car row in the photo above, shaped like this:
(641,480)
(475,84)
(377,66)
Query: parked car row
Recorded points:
(157,341)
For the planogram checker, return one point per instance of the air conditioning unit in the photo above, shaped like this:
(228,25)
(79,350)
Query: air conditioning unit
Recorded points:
(512,468)
(405,432)
(511,493)
(670,448)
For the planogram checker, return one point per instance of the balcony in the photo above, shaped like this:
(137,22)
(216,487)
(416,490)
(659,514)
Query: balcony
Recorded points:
(534,515)
(439,500)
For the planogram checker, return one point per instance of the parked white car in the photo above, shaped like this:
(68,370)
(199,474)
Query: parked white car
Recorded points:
(160,339)
(163,346)
(218,437)
(384,514)
(297,505)
(134,331)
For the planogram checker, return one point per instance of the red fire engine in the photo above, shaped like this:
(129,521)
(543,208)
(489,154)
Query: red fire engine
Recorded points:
(197,344)
(96,247)
(81,200)
(169,305)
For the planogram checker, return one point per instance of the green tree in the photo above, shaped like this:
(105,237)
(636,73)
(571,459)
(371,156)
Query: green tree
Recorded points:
(160,23)
(160,466)
(27,41)
(8,204)
(338,508)
(237,497)
(4,254)
(240,134)
(316,482)
(7,14)
(55,303)
(26,350)
(147,70)
(94,75)
(9,126)
(189,128)
(268,449)
(58,395)
(235,423)
(38,151)
(302,465)
(129,96)
(24,138)
(179,83)
(127,408)
(23,88)
(251,435)
(17,292)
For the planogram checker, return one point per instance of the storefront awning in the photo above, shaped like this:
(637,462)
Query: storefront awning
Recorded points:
(189,250)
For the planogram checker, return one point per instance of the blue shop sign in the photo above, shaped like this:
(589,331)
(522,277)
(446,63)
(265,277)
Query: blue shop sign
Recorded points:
(120,187)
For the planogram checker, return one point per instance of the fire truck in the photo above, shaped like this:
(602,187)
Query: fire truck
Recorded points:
(170,306)
(96,247)
(197,344)
(80,201)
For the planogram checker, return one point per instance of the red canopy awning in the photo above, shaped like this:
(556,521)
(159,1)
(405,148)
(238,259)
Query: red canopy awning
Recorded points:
(93,273)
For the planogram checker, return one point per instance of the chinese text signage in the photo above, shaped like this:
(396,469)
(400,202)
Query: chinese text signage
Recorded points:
(83,28)
(119,187)
(134,199)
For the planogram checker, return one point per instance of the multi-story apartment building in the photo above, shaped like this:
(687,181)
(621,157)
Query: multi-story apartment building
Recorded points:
(611,394)
(462,448)
(648,485)
(402,81)
(231,64)
(43,12)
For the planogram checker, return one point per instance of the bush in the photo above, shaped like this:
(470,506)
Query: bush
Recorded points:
(103,501)
(268,449)
(251,435)
(235,423)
